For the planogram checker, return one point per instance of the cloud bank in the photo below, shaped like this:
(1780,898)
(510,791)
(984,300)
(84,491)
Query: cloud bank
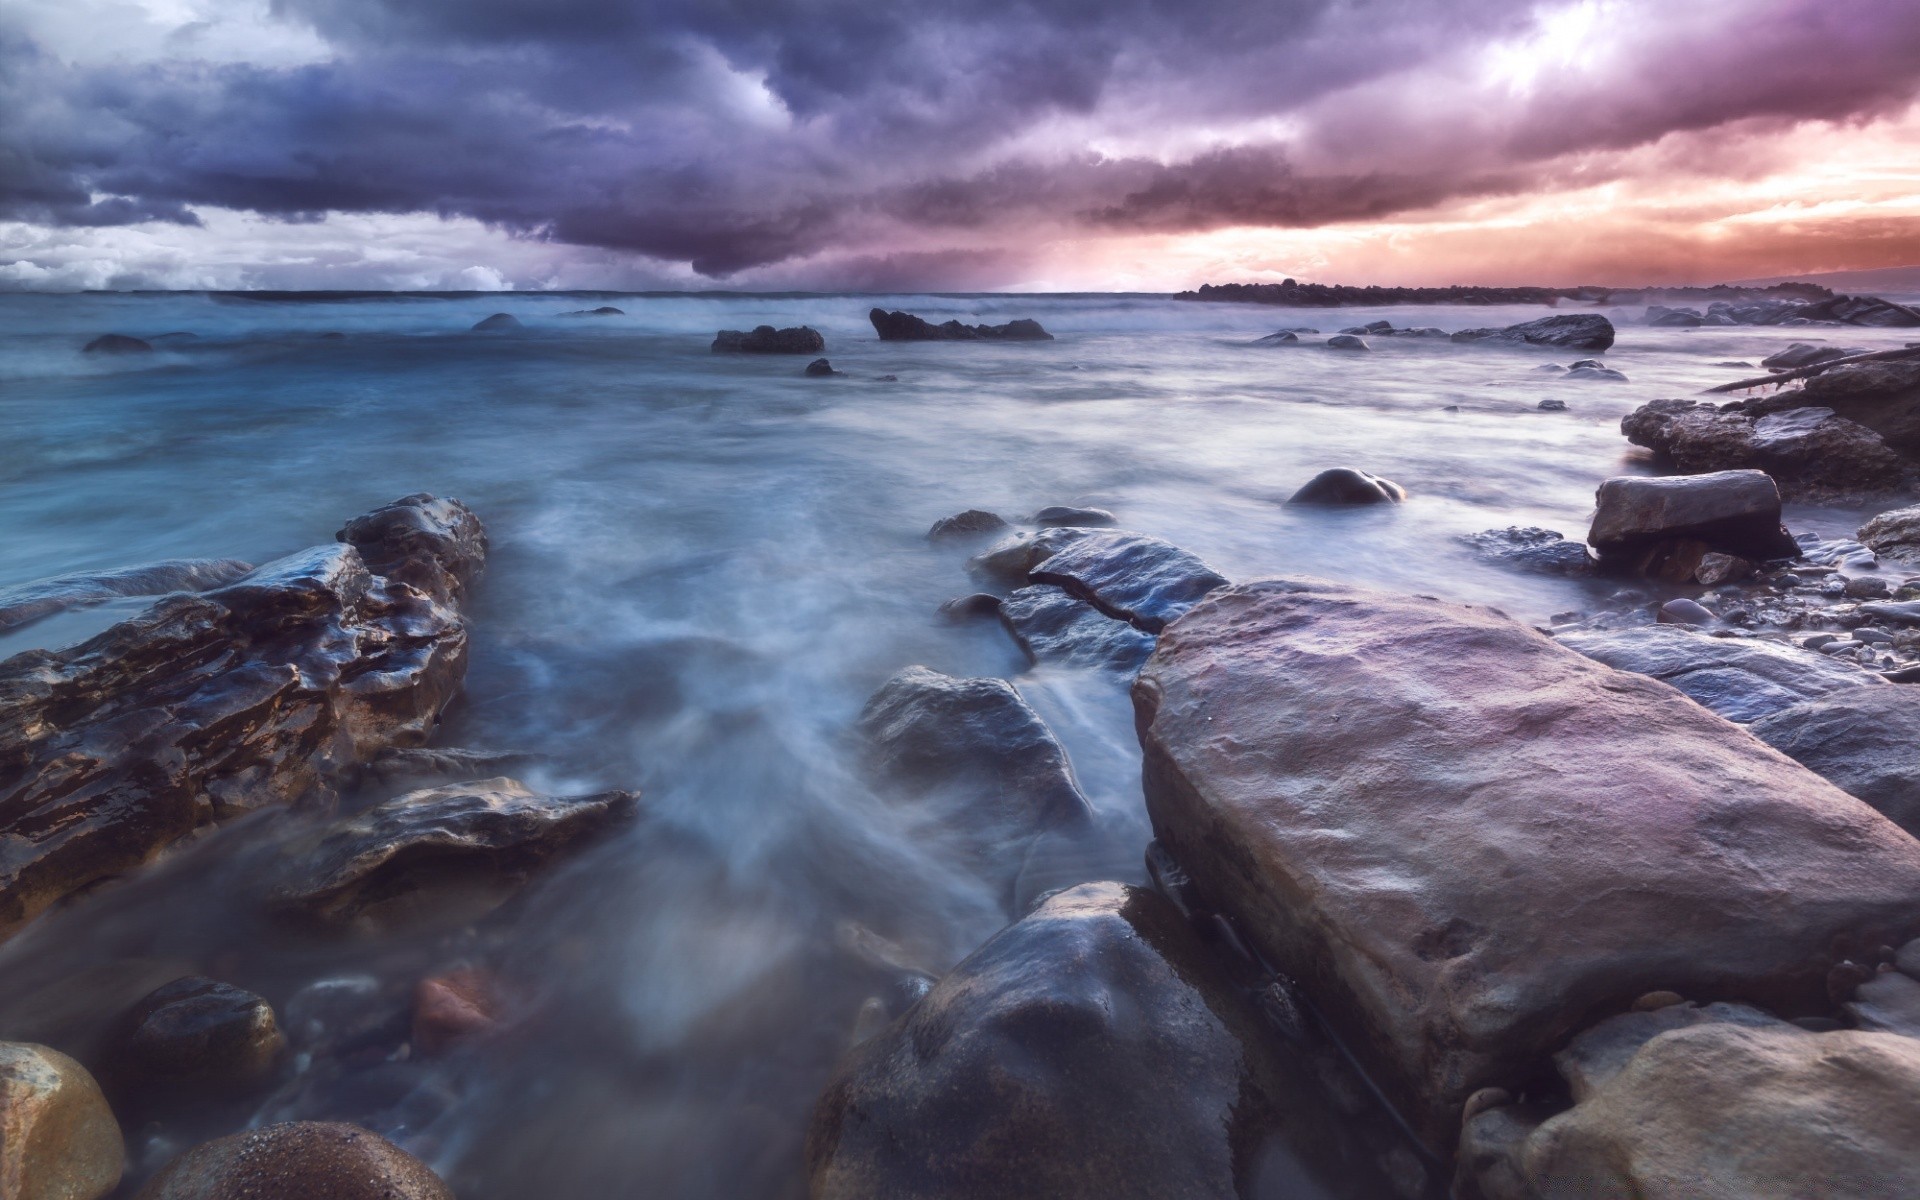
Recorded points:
(838,143)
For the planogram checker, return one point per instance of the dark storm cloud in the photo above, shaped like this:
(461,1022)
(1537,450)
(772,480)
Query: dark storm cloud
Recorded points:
(730,135)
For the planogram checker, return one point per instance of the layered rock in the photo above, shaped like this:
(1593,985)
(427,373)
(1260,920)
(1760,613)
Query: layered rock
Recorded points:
(298,1160)
(1572,331)
(1732,512)
(30,602)
(260,692)
(1812,452)
(1894,533)
(1723,1103)
(1530,548)
(1742,679)
(58,1139)
(481,839)
(765,339)
(1094,1050)
(905,327)
(1864,740)
(1408,804)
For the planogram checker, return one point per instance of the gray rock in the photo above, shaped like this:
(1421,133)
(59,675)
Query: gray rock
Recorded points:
(1894,533)
(905,327)
(1901,612)
(30,602)
(1552,406)
(1345,485)
(1010,560)
(765,339)
(975,522)
(1052,626)
(819,368)
(496,322)
(117,343)
(1285,337)
(1411,803)
(1596,374)
(1682,611)
(1804,354)
(1346,341)
(1131,577)
(1817,454)
(1864,740)
(1528,548)
(1887,1003)
(1662,317)
(1735,512)
(198,1034)
(389,866)
(1573,331)
(1742,679)
(1078,518)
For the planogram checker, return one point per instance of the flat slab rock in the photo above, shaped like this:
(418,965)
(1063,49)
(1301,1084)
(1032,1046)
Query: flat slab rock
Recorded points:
(1051,626)
(1742,679)
(261,692)
(1720,1103)
(1419,810)
(379,867)
(1131,577)
(1574,331)
(1863,740)
(1736,512)
(1093,1050)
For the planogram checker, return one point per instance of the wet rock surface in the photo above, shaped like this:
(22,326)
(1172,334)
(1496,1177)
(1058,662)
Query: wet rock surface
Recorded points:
(58,1139)
(30,602)
(1530,548)
(1863,740)
(1092,1050)
(820,367)
(905,327)
(197,1034)
(301,1160)
(1742,679)
(1068,516)
(1052,626)
(1894,533)
(1725,1104)
(974,522)
(257,693)
(474,842)
(1734,512)
(765,339)
(1298,753)
(1347,486)
(1573,331)
(1131,577)
(497,322)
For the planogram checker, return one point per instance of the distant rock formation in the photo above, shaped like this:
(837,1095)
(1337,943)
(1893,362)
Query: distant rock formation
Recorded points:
(765,339)
(117,343)
(496,322)
(1294,294)
(1573,331)
(905,327)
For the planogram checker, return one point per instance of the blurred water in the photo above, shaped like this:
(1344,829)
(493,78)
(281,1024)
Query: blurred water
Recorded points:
(702,566)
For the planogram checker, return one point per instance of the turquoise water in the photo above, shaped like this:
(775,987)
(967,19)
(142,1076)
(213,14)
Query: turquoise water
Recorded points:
(702,565)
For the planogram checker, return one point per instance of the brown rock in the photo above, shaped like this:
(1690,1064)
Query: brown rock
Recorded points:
(1409,804)
(196,1033)
(260,692)
(58,1139)
(451,1007)
(298,1160)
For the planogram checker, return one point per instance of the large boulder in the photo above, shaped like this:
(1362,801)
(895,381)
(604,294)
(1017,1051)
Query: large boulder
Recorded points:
(1742,679)
(1571,331)
(1894,533)
(765,339)
(1095,1050)
(1864,740)
(1723,1103)
(1130,577)
(1883,396)
(905,327)
(58,1139)
(1338,486)
(1419,810)
(383,867)
(197,1034)
(30,602)
(1811,452)
(1051,626)
(264,691)
(298,1160)
(1734,512)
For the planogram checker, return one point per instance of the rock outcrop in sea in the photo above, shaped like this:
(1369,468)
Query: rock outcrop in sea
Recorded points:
(765,339)
(905,327)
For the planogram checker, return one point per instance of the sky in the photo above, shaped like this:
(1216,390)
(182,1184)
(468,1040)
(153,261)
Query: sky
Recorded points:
(1044,145)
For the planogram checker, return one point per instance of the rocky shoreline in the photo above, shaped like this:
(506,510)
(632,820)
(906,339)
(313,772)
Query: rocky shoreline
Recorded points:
(1436,903)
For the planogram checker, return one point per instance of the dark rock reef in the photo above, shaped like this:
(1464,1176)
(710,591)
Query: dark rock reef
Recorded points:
(1414,854)
(257,693)
(43,598)
(905,327)
(1571,331)
(765,339)
(1091,1051)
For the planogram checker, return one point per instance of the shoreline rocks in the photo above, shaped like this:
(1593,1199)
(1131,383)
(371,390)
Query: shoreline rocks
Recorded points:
(29,602)
(260,692)
(765,339)
(905,327)
(1572,331)
(1742,679)
(1641,524)
(1398,846)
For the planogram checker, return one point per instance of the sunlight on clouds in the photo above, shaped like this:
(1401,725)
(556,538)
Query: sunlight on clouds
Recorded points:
(1564,37)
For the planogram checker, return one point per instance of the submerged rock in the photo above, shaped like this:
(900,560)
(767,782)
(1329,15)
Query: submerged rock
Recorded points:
(1130,577)
(1347,341)
(58,1139)
(975,522)
(1094,1050)
(905,327)
(819,368)
(1340,771)
(386,866)
(497,321)
(1345,485)
(765,339)
(605,310)
(298,1160)
(1530,548)
(260,692)
(1864,740)
(30,602)
(197,1034)
(1734,512)
(1052,626)
(1573,331)
(1011,560)
(1732,1105)
(1066,516)
(1894,533)
(117,343)
(1286,337)
(1742,679)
